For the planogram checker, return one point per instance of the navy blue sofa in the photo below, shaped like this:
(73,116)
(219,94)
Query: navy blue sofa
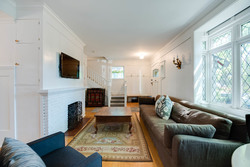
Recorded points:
(54,153)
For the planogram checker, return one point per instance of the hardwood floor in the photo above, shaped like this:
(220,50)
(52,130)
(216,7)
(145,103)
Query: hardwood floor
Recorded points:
(90,115)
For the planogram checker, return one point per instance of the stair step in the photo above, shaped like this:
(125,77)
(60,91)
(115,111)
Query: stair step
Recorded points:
(116,97)
(112,101)
(117,105)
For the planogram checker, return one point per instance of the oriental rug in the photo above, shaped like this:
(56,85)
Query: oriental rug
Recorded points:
(133,109)
(113,142)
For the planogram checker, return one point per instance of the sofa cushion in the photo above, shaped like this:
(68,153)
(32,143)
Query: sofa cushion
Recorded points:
(171,130)
(64,157)
(179,113)
(163,107)
(182,114)
(15,153)
(222,125)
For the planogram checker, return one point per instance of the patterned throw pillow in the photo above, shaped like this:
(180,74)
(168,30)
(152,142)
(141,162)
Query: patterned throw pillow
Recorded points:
(158,101)
(163,107)
(15,153)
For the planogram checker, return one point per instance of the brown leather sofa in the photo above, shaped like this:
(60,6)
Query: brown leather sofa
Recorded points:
(191,150)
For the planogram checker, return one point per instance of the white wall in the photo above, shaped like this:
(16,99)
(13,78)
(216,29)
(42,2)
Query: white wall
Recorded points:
(183,83)
(58,38)
(137,75)
(178,83)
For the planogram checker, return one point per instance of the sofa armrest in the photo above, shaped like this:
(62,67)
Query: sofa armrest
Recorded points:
(94,160)
(48,144)
(198,151)
(147,100)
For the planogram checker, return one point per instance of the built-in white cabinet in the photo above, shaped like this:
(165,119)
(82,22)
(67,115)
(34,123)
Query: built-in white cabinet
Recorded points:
(27,52)
(27,65)
(28,31)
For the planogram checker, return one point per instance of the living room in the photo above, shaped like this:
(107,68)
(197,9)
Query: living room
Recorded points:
(129,49)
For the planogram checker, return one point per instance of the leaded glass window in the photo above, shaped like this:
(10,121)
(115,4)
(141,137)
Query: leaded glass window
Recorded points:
(222,76)
(226,64)
(245,29)
(245,75)
(204,78)
(221,40)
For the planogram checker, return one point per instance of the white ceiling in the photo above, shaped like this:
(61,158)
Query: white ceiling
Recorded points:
(118,29)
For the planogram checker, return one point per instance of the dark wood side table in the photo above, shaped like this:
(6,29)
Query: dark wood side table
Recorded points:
(108,115)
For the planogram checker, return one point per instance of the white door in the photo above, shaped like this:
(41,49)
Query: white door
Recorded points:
(155,86)
(7,103)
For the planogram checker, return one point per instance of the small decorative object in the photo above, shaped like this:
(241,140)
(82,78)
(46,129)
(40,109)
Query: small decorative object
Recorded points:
(177,63)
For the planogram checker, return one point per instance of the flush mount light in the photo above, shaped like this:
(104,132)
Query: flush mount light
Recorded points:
(141,55)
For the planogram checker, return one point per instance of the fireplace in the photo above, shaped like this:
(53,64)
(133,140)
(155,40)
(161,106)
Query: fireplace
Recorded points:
(74,114)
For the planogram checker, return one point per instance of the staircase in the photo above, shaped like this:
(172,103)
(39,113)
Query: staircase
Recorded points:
(117,101)
(97,81)
(120,100)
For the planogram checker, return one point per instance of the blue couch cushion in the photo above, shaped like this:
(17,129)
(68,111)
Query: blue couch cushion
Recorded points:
(64,157)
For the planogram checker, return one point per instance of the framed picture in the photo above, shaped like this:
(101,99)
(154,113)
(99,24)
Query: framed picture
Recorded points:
(156,73)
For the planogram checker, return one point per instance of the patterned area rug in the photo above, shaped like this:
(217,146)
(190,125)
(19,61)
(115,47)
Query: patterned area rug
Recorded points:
(113,142)
(133,109)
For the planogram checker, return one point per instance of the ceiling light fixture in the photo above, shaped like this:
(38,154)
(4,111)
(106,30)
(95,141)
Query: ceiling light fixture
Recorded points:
(141,55)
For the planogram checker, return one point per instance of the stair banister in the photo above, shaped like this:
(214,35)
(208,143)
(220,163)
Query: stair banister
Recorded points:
(101,81)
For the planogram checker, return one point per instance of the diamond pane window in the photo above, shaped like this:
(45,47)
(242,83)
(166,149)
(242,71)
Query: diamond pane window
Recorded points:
(222,77)
(221,40)
(245,29)
(204,77)
(245,75)
(117,73)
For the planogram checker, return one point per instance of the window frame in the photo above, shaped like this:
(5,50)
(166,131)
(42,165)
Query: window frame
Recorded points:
(236,41)
(123,73)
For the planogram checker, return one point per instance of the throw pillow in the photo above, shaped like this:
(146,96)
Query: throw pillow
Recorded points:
(163,107)
(15,153)
(171,130)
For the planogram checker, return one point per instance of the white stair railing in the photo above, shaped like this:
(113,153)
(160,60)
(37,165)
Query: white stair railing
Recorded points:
(101,81)
(125,93)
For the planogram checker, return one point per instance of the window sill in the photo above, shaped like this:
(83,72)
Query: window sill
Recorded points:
(227,110)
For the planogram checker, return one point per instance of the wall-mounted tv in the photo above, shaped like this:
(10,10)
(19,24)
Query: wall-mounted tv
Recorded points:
(69,67)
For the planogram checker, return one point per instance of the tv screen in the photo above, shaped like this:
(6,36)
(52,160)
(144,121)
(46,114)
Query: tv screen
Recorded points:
(69,67)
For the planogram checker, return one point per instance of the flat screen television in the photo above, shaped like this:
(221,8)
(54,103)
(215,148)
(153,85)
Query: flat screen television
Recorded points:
(69,67)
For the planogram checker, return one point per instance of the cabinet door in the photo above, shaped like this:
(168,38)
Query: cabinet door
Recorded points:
(7,103)
(27,59)
(28,31)
(27,113)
